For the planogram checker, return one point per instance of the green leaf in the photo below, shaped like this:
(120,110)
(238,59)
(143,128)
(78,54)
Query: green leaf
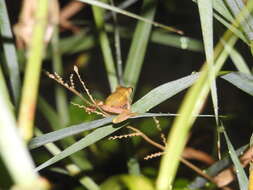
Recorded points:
(121,11)
(222,9)
(139,45)
(81,144)
(231,27)
(76,129)
(206,18)
(239,62)
(240,173)
(59,134)
(9,51)
(190,107)
(178,41)
(105,47)
(163,92)
(130,182)
(213,170)
(76,43)
(237,7)
(241,81)
(13,152)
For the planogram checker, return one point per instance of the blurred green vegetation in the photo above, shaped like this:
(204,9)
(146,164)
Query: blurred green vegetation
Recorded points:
(113,47)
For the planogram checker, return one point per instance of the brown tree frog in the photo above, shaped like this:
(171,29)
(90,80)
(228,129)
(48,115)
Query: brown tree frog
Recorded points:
(119,102)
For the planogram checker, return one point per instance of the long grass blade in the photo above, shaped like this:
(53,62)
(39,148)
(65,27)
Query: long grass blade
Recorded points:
(54,120)
(121,11)
(59,134)
(139,45)
(240,173)
(81,144)
(13,144)
(191,106)
(9,51)
(235,30)
(105,47)
(236,6)
(213,170)
(162,93)
(117,46)
(206,18)
(241,81)
(32,72)
(239,62)
(60,94)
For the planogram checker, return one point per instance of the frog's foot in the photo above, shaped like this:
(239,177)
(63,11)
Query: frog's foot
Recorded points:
(123,116)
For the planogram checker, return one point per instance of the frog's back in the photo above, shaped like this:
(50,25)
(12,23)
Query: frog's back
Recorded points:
(120,98)
(116,99)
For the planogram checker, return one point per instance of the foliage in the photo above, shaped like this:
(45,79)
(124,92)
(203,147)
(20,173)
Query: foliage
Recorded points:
(68,118)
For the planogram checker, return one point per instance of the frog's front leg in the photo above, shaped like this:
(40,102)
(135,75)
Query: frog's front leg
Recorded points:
(123,116)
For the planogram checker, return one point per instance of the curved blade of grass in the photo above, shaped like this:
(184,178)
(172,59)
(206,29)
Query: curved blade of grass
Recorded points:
(235,30)
(49,113)
(60,94)
(84,142)
(4,91)
(71,169)
(123,5)
(105,47)
(139,45)
(241,81)
(222,9)
(162,93)
(213,170)
(11,144)
(239,62)
(79,145)
(121,11)
(89,183)
(206,19)
(240,173)
(54,120)
(9,51)
(76,129)
(117,46)
(59,134)
(191,106)
(236,6)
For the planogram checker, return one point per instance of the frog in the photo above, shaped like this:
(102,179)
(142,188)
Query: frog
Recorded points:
(119,102)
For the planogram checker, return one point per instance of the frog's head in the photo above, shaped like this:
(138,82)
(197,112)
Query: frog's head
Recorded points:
(125,91)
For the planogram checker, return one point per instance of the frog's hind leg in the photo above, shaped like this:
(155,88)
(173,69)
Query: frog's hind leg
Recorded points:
(123,116)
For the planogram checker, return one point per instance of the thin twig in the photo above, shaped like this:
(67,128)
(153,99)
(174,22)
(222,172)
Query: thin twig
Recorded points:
(87,91)
(58,79)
